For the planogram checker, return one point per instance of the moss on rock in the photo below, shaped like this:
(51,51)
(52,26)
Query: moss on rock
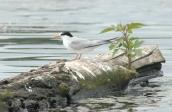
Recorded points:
(117,77)
(64,89)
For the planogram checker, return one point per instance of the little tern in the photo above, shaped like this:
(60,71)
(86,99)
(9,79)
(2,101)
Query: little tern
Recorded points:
(79,45)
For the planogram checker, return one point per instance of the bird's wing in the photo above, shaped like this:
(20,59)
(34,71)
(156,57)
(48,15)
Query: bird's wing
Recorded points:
(79,43)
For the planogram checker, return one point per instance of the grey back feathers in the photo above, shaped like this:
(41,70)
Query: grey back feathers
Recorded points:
(67,34)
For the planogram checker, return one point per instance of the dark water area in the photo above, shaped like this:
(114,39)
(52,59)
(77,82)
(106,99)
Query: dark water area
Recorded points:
(27,28)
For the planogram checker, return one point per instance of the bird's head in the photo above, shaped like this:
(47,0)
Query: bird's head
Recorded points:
(62,34)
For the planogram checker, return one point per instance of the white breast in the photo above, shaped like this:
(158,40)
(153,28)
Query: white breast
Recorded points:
(66,41)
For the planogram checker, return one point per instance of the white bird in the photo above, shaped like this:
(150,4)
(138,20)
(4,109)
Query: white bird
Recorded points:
(79,45)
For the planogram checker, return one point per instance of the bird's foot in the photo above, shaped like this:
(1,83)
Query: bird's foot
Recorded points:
(77,57)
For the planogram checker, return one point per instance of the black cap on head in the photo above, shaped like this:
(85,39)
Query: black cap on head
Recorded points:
(67,33)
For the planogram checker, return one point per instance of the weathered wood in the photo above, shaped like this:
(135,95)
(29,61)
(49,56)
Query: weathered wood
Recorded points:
(62,81)
(148,56)
(148,61)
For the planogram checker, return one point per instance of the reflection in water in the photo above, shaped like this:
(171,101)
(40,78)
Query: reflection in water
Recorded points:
(137,99)
(26,41)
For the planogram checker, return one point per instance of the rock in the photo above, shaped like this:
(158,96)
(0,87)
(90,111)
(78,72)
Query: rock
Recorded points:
(55,85)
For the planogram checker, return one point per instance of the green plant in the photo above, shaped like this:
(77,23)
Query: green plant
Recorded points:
(127,43)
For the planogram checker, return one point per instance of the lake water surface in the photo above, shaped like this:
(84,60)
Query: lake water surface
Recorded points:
(27,28)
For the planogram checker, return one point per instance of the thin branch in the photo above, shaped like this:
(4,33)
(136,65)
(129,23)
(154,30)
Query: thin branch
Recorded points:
(144,56)
(135,59)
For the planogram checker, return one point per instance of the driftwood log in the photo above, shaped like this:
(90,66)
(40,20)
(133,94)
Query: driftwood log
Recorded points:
(63,82)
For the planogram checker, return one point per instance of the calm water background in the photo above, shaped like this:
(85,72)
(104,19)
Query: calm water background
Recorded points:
(27,28)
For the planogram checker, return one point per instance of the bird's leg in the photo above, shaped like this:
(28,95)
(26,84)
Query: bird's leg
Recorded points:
(76,57)
(79,56)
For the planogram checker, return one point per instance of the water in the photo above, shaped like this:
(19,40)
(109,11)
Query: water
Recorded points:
(27,28)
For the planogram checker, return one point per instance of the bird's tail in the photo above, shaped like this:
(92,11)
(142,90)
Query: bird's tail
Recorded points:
(108,40)
(102,42)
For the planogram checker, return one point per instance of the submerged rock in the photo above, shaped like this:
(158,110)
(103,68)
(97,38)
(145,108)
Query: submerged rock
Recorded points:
(63,82)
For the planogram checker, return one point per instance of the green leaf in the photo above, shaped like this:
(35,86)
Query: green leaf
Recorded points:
(133,54)
(124,44)
(111,46)
(114,51)
(132,26)
(132,38)
(137,43)
(119,27)
(114,47)
(108,29)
